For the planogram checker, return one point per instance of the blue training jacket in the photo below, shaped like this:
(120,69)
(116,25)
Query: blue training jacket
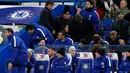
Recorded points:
(19,55)
(124,67)
(67,41)
(74,62)
(61,65)
(42,32)
(93,17)
(102,65)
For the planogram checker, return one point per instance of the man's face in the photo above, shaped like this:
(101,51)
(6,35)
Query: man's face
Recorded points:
(78,10)
(73,52)
(113,37)
(50,6)
(121,41)
(66,16)
(127,54)
(7,33)
(51,52)
(42,42)
(122,4)
(31,31)
(120,17)
(60,36)
(88,5)
(97,55)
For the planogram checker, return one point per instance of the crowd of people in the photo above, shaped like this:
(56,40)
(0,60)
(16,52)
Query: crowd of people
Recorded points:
(84,27)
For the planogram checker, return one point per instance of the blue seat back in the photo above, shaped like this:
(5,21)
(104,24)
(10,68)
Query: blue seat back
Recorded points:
(42,63)
(85,62)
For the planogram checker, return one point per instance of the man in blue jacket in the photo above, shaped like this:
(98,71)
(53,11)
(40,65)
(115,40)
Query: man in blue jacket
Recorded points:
(51,53)
(36,31)
(90,13)
(61,63)
(102,63)
(75,59)
(125,66)
(19,56)
(63,40)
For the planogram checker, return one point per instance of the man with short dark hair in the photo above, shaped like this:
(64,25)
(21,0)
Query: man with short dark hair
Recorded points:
(41,48)
(121,26)
(46,18)
(61,63)
(62,39)
(102,63)
(51,53)
(19,56)
(125,66)
(37,32)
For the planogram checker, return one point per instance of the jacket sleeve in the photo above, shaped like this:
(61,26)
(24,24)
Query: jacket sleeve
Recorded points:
(33,59)
(14,49)
(44,17)
(94,70)
(96,21)
(53,67)
(66,67)
(121,67)
(56,41)
(108,65)
(49,37)
(78,68)
(70,41)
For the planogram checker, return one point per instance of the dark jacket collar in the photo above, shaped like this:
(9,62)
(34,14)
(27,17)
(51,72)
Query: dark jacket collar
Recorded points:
(90,9)
(10,37)
(47,9)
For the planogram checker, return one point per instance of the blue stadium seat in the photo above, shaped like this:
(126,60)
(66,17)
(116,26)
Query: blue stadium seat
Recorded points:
(114,58)
(107,25)
(85,62)
(42,63)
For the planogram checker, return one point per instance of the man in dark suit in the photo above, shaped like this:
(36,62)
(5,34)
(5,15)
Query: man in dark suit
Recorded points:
(46,18)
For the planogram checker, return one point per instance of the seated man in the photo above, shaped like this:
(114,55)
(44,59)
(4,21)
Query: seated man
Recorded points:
(61,63)
(31,60)
(75,56)
(125,66)
(41,46)
(62,39)
(51,53)
(102,63)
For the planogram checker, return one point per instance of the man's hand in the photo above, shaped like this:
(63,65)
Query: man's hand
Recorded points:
(53,32)
(9,66)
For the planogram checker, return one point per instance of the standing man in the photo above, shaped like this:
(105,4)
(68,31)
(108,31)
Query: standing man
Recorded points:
(19,56)
(90,13)
(46,18)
